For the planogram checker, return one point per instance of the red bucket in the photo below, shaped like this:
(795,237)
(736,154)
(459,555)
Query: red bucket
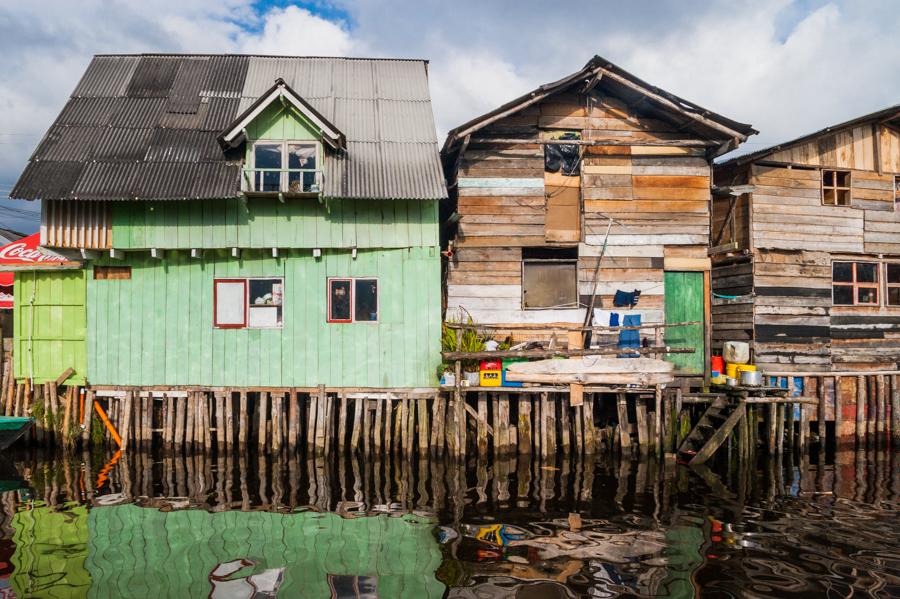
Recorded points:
(718,364)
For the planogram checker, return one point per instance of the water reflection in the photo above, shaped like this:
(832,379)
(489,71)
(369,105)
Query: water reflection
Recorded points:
(243,525)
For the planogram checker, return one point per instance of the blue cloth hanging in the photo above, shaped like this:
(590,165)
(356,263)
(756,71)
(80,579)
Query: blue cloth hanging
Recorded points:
(613,319)
(630,338)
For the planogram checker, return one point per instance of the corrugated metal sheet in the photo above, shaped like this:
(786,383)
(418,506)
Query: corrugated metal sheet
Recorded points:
(146,127)
(107,76)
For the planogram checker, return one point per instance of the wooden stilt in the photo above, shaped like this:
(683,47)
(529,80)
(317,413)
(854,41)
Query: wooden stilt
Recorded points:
(881,406)
(838,411)
(379,424)
(657,415)
(293,420)
(263,411)
(779,427)
(411,426)
(404,424)
(311,413)
(565,426)
(242,419)
(229,419)
(357,424)
(398,426)
(124,432)
(503,425)
(367,427)
(640,411)
(423,426)
(772,428)
(895,410)
(88,415)
(860,410)
(871,405)
(524,425)
(321,423)
(624,435)
(207,421)
(481,433)
(550,419)
(342,423)
(180,418)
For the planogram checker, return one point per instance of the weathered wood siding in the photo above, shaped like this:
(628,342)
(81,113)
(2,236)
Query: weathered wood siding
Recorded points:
(793,241)
(157,327)
(659,197)
(853,148)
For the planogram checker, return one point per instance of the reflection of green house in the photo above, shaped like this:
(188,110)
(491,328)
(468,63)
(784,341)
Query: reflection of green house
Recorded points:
(51,545)
(141,552)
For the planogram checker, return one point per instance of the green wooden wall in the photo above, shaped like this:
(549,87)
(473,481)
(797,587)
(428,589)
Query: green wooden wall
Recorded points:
(49,333)
(280,121)
(267,223)
(142,552)
(156,328)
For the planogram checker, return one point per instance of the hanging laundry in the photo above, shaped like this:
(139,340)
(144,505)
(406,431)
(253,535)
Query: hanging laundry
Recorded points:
(630,339)
(613,319)
(626,298)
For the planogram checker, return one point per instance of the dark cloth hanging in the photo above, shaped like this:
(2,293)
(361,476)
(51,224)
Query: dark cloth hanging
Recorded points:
(564,157)
(626,298)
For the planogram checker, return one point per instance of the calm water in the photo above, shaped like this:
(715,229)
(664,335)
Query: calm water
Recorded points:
(239,526)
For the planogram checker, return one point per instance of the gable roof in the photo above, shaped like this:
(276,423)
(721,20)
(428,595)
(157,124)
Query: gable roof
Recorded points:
(147,127)
(234,133)
(889,116)
(600,72)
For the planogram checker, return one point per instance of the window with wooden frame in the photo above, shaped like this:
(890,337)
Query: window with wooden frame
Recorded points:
(108,273)
(892,284)
(549,278)
(285,166)
(248,303)
(854,283)
(835,188)
(352,299)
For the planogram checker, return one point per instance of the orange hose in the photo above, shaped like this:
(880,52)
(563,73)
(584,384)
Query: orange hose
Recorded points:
(105,419)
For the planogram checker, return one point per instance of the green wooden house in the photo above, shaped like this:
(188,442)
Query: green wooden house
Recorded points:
(248,221)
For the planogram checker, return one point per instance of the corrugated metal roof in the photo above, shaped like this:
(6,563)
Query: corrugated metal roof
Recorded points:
(146,126)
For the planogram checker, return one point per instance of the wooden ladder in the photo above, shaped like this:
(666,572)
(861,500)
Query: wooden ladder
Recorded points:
(711,431)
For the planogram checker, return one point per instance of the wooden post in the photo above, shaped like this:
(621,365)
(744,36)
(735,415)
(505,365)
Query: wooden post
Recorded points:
(549,413)
(501,427)
(804,428)
(357,424)
(524,425)
(772,428)
(229,419)
(564,423)
(838,412)
(367,428)
(779,427)
(622,411)
(275,403)
(423,426)
(342,423)
(263,411)
(147,419)
(242,419)
(481,435)
(411,425)
(880,411)
(180,418)
(321,423)
(640,410)
(88,414)
(860,410)
(895,411)
(871,407)
(293,419)
(590,432)
(379,422)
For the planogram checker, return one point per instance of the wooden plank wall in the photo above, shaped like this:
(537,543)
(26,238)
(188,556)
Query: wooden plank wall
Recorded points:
(796,238)
(659,197)
(853,148)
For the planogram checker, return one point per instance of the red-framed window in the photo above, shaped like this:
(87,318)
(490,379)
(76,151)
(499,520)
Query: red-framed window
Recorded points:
(353,299)
(855,283)
(230,303)
(252,303)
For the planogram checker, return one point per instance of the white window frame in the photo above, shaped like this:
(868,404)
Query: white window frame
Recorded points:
(283,177)
(353,281)
(247,305)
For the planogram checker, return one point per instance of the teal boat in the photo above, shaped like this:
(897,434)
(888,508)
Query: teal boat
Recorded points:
(13,427)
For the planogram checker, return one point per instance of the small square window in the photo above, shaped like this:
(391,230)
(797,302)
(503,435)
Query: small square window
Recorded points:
(366,300)
(340,300)
(835,188)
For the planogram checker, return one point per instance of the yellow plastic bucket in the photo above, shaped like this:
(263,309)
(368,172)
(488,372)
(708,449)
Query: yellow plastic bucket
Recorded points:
(747,367)
(731,370)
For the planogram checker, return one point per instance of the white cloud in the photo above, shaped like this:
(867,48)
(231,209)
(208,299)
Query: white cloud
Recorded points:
(296,31)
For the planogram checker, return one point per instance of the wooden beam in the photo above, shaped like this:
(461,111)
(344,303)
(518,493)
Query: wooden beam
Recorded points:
(550,353)
(596,142)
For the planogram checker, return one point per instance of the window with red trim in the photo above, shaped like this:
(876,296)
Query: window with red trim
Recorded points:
(854,283)
(353,299)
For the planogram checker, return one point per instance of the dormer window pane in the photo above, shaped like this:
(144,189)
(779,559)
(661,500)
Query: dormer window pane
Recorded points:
(267,156)
(301,156)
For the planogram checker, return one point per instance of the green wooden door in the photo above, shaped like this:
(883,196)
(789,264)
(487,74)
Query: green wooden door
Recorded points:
(684,303)
(50,321)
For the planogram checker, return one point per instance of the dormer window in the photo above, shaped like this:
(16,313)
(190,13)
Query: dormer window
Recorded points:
(285,167)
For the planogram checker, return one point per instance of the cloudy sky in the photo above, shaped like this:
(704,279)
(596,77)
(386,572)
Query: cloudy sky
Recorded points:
(787,67)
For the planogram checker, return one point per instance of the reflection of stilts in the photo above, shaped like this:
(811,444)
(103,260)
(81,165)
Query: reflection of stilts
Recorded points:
(103,475)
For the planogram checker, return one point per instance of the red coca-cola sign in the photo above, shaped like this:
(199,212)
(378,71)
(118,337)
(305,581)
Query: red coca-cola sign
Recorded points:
(25,252)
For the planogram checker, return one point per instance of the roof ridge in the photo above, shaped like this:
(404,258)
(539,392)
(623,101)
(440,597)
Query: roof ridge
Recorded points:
(239,55)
